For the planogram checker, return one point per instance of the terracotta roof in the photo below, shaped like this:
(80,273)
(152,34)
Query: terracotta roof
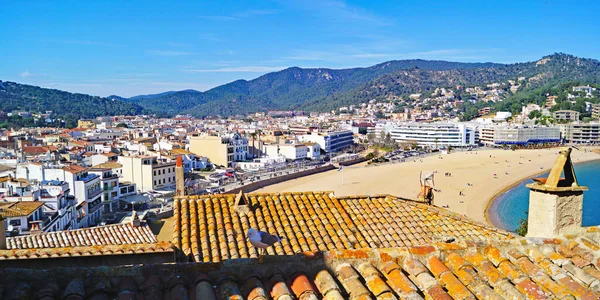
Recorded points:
(208,229)
(74,169)
(180,152)
(109,164)
(117,234)
(19,209)
(515,270)
(85,251)
(35,149)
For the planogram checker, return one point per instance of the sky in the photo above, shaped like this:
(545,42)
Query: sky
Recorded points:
(129,48)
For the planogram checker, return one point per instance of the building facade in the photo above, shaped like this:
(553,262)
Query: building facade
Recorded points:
(147,172)
(566,115)
(330,141)
(518,135)
(221,150)
(434,135)
(580,133)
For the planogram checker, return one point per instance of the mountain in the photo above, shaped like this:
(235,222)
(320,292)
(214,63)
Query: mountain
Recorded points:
(312,89)
(323,89)
(291,88)
(72,106)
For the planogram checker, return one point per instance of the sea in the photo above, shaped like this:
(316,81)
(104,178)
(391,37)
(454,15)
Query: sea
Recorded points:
(509,208)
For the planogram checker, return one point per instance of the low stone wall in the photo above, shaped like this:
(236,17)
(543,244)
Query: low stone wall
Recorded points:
(353,161)
(263,183)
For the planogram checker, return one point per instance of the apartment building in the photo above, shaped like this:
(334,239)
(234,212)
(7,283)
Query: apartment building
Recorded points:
(580,133)
(85,187)
(434,134)
(333,141)
(289,151)
(566,115)
(596,111)
(148,172)
(519,135)
(110,187)
(221,149)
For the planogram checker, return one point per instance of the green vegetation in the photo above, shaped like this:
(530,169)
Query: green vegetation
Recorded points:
(522,229)
(68,106)
(326,89)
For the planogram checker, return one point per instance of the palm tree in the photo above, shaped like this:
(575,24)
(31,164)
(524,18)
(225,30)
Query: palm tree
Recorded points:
(259,132)
(253,136)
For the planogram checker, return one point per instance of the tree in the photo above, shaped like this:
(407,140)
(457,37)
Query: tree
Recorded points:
(122,125)
(535,114)
(522,229)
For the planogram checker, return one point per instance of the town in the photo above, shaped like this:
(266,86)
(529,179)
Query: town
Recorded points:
(54,179)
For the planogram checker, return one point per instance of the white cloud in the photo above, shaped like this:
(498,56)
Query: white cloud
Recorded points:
(255,12)
(247,69)
(240,15)
(25,74)
(168,53)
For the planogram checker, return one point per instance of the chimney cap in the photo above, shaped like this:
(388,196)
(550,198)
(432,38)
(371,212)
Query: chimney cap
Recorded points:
(554,182)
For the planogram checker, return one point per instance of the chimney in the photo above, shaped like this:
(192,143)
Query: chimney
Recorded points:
(35,227)
(241,204)
(2,233)
(555,203)
(179,177)
(135,220)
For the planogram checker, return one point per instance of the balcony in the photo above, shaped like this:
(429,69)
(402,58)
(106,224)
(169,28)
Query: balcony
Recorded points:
(91,194)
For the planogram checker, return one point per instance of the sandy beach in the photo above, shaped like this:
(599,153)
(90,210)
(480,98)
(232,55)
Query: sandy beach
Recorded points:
(472,174)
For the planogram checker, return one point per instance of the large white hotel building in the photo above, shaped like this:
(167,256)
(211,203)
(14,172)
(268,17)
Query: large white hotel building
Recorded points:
(434,134)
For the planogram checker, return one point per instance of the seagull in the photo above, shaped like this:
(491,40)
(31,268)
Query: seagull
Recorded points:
(262,240)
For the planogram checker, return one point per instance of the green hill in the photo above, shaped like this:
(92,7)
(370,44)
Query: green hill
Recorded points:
(69,106)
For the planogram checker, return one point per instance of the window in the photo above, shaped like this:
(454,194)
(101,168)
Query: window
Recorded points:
(154,173)
(154,182)
(15,222)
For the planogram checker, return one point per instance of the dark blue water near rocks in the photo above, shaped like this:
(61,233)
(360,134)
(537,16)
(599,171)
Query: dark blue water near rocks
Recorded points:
(509,208)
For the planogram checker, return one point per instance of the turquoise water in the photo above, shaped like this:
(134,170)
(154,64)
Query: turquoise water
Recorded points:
(509,208)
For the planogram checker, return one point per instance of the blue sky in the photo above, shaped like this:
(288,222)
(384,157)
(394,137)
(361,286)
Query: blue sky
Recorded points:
(139,47)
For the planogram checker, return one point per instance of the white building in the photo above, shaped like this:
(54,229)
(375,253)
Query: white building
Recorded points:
(289,151)
(434,134)
(110,187)
(260,163)
(518,135)
(333,141)
(580,133)
(147,172)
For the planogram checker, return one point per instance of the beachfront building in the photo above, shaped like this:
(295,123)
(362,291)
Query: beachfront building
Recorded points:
(434,135)
(289,151)
(580,133)
(518,135)
(222,150)
(566,115)
(332,141)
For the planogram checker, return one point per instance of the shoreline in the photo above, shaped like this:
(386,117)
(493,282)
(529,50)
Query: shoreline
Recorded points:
(514,184)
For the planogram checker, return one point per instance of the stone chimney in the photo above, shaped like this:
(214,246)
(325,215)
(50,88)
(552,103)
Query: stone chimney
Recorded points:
(2,233)
(555,203)
(179,177)
(35,228)
(135,219)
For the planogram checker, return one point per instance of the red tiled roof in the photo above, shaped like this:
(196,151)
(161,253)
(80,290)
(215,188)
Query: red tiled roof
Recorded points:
(35,149)
(74,169)
(208,229)
(505,270)
(117,234)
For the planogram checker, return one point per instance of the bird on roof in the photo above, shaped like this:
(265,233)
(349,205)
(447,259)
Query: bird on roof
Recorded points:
(262,240)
